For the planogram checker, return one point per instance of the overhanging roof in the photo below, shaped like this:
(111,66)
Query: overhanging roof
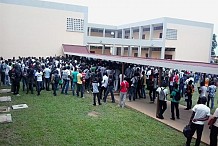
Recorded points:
(74,49)
(174,64)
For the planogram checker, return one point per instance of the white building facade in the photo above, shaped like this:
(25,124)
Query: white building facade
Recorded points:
(39,28)
(163,38)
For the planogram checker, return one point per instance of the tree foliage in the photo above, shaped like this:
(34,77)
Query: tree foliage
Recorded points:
(214,45)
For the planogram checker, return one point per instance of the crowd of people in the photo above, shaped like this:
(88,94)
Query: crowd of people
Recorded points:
(80,75)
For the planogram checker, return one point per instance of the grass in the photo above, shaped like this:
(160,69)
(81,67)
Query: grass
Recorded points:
(63,120)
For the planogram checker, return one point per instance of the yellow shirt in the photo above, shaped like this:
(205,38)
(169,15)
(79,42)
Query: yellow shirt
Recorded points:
(79,78)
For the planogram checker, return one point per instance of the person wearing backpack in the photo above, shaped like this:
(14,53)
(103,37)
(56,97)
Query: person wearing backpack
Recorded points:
(211,94)
(175,95)
(55,78)
(162,92)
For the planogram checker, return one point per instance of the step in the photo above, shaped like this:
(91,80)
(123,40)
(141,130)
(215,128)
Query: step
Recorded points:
(5,98)
(5,90)
(5,118)
(19,106)
(4,109)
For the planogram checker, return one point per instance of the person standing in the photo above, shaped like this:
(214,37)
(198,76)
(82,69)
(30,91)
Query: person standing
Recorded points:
(110,87)
(211,94)
(200,114)
(162,92)
(55,78)
(189,92)
(104,84)
(39,75)
(95,91)
(175,102)
(47,73)
(124,85)
(214,129)
(74,78)
(79,84)
(66,80)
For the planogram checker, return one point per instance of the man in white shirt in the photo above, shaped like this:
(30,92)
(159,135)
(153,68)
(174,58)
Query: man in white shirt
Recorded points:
(162,100)
(66,80)
(38,76)
(200,114)
(214,129)
(104,84)
(47,73)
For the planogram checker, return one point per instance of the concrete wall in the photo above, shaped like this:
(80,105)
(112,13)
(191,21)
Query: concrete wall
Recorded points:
(34,31)
(192,44)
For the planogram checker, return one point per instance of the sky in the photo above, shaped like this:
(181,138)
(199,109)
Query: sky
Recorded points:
(118,12)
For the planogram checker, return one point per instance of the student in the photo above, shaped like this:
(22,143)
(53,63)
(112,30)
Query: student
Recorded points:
(202,91)
(124,85)
(189,92)
(200,114)
(79,84)
(95,91)
(175,102)
(162,92)
(214,129)
(211,94)
(55,78)
(110,87)
(39,75)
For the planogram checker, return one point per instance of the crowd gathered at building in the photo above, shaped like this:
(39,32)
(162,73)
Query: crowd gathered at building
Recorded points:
(74,76)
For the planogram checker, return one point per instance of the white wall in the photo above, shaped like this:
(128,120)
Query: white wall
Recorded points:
(192,44)
(32,31)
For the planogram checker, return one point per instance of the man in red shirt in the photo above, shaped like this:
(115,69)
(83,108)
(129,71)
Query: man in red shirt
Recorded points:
(124,85)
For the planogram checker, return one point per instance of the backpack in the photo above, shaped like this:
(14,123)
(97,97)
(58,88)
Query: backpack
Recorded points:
(177,97)
(162,95)
(56,78)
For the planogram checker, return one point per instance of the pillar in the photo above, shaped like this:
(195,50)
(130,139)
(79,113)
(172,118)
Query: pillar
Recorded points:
(149,52)
(104,32)
(151,32)
(129,51)
(114,50)
(130,33)
(103,48)
(159,85)
(123,33)
(139,51)
(162,55)
(89,47)
(140,32)
(116,34)
(122,51)
(89,31)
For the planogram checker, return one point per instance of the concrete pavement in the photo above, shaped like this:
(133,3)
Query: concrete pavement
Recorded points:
(144,106)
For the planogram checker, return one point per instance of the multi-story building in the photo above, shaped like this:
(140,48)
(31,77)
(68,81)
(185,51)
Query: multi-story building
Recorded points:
(164,38)
(39,28)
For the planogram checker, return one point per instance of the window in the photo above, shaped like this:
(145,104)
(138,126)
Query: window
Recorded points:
(171,34)
(75,24)
(135,54)
(143,36)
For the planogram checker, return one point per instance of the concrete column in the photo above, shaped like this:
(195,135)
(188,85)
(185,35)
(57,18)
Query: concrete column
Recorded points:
(103,50)
(162,55)
(114,50)
(89,47)
(129,51)
(140,32)
(139,51)
(149,52)
(122,51)
(116,34)
(130,33)
(151,32)
(123,33)
(104,32)
(89,31)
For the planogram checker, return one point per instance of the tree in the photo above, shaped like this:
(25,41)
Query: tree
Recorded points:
(214,45)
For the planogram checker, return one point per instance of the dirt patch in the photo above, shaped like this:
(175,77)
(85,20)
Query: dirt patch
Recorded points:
(93,114)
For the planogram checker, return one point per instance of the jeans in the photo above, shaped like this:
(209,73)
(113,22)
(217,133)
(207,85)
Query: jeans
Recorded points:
(47,83)
(39,87)
(213,136)
(30,82)
(101,91)
(94,98)
(132,93)
(24,82)
(109,89)
(16,87)
(74,84)
(176,106)
(79,89)
(122,99)
(116,83)
(87,84)
(162,107)
(143,91)
(3,77)
(199,129)
(7,80)
(65,86)
(189,101)
(55,86)
(212,101)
